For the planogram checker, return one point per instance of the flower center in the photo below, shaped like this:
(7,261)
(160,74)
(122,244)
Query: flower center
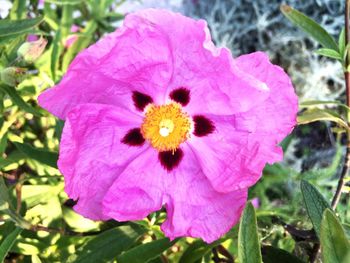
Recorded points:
(166,126)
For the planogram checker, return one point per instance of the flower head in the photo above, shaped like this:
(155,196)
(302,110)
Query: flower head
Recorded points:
(156,116)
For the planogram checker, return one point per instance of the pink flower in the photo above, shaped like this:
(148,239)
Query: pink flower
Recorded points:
(156,116)
(256,202)
(71,39)
(32,38)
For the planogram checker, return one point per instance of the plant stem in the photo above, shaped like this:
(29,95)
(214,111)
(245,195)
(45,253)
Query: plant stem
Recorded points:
(346,164)
(344,172)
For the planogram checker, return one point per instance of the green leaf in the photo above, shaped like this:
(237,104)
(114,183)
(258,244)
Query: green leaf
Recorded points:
(331,53)
(18,10)
(3,144)
(341,43)
(315,103)
(313,115)
(43,156)
(310,27)
(16,99)
(4,196)
(8,27)
(347,258)
(35,259)
(199,249)
(196,251)
(334,244)
(55,53)
(64,2)
(8,243)
(108,245)
(272,255)
(315,204)
(82,42)
(248,240)
(146,252)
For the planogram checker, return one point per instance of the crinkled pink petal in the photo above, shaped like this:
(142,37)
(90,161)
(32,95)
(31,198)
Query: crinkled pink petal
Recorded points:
(91,153)
(194,207)
(217,85)
(154,52)
(276,117)
(134,57)
(234,155)
(138,190)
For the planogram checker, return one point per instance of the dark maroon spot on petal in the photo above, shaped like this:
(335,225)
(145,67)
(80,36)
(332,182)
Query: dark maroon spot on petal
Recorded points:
(170,159)
(141,100)
(70,203)
(133,137)
(202,126)
(180,95)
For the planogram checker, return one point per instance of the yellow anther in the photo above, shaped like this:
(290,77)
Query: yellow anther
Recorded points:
(166,126)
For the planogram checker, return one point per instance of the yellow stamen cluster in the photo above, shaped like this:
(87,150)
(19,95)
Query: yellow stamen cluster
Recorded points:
(166,126)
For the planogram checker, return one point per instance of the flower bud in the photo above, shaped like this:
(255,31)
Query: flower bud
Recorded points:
(12,76)
(31,51)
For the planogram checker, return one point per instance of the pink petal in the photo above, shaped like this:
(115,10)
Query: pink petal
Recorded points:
(217,85)
(155,52)
(194,208)
(138,190)
(135,57)
(92,155)
(276,117)
(234,155)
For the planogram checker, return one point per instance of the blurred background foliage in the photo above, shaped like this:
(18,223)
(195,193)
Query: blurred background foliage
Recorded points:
(37,222)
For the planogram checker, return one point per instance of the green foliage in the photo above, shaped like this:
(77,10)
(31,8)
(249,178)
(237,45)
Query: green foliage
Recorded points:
(146,252)
(334,244)
(18,100)
(315,204)
(248,240)
(40,155)
(331,53)
(8,243)
(37,221)
(313,115)
(310,27)
(18,26)
(107,245)
(272,255)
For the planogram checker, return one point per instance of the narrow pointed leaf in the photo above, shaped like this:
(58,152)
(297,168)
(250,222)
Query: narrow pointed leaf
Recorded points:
(8,27)
(334,244)
(195,252)
(341,42)
(108,245)
(248,240)
(315,204)
(8,242)
(310,27)
(16,99)
(64,2)
(55,53)
(312,115)
(43,156)
(145,252)
(4,196)
(315,103)
(331,53)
